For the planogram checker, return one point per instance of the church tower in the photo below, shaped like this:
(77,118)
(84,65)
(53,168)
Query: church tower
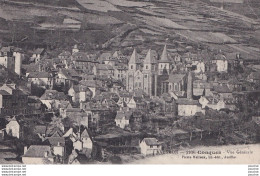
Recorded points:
(132,64)
(163,63)
(132,67)
(149,85)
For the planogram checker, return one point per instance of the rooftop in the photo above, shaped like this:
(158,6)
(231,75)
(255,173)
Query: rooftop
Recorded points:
(38,151)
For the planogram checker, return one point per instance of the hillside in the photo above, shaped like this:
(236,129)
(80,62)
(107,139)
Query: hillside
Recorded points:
(113,24)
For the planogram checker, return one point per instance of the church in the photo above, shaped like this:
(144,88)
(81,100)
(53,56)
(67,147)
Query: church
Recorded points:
(154,76)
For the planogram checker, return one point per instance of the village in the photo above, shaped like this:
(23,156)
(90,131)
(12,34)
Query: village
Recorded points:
(82,107)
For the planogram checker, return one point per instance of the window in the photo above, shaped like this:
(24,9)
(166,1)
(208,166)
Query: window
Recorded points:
(146,66)
(151,146)
(175,87)
(132,66)
(145,76)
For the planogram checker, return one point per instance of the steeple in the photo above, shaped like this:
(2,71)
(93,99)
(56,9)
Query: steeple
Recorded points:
(164,63)
(164,57)
(116,54)
(133,58)
(148,57)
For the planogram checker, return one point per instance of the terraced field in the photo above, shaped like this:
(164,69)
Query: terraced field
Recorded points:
(126,23)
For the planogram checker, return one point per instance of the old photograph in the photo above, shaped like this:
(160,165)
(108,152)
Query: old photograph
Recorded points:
(129,82)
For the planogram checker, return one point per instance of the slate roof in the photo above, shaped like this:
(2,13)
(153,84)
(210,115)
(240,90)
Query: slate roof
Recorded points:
(56,132)
(151,57)
(82,57)
(69,73)
(65,54)
(219,57)
(164,56)
(80,88)
(104,67)
(185,101)
(39,75)
(38,151)
(40,129)
(151,141)
(85,134)
(54,141)
(134,59)
(91,83)
(105,56)
(3,92)
(39,51)
(53,95)
(176,78)
(121,66)
(74,110)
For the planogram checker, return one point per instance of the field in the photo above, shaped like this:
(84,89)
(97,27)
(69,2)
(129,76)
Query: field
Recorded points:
(182,22)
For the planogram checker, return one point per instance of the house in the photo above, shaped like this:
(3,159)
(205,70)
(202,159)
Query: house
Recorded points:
(177,84)
(204,101)
(53,99)
(13,101)
(120,71)
(13,129)
(87,142)
(93,85)
(6,58)
(41,79)
(201,87)
(125,96)
(80,93)
(83,61)
(40,130)
(82,141)
(221,62)
(38,154)
(169,103)
(188,107)
(64,55)
(64,105)
(221,103)
(70,133)
(132,103)
(38,55)
(118,141)
(65,78)
(150,146)
(105,57)
(57,145)
(104,70)
(200,66)
(122,118)
(121,103)
(35,105)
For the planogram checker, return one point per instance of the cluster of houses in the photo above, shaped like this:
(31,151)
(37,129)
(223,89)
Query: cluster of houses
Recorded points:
(90,91)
